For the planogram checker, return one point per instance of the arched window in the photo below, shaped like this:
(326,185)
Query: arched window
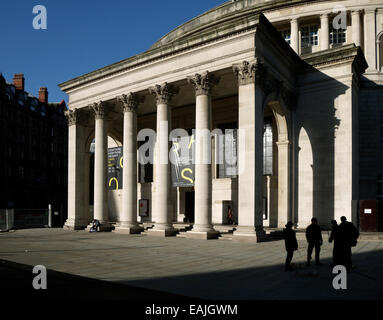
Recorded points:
(379,187)
(380,48)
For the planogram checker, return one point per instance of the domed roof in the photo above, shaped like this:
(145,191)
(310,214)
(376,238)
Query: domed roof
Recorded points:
(231,10)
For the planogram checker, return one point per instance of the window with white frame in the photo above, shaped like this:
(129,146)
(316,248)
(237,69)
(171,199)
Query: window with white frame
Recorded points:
(381,130)
(286,34)
(337,36)
(309,36)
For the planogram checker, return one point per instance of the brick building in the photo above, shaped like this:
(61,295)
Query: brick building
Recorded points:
(33,148)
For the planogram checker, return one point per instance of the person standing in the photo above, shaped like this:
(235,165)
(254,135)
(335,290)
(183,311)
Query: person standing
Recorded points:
(315,240)
(291,244)
(349,235)
(338,251)
(229,215)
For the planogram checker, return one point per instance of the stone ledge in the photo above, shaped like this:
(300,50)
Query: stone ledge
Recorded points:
(161,233)
(128,230)
(207,235)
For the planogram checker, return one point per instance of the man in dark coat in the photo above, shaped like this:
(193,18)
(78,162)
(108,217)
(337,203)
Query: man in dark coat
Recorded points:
(291,244)
(338,251)
(349,235)
(315,240)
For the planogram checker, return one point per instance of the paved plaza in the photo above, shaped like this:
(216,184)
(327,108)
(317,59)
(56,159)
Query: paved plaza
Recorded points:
(215,269)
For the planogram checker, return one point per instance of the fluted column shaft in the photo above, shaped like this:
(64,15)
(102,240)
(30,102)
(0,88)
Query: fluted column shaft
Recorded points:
(324,26)
(203,182)
(369,38)
(250,152)
(78,217)
(203,227)
(163,225)
(295,34)
(128,219)
(100,167)
(356,31)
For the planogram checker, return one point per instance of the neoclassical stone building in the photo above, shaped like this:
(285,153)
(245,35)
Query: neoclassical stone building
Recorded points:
(301,80)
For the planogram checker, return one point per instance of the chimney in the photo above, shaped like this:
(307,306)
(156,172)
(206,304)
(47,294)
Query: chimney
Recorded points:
(18,81)
(43,95)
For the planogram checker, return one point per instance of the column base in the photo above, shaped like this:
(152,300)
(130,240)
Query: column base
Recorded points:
(202,235)
(105,227)
(249,234)
(72,224)
(121,229)
(162,233)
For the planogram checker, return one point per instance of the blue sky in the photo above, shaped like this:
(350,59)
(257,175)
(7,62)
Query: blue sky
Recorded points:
(83,35)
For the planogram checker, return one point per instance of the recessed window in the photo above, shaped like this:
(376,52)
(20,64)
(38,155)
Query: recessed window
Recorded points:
(286,34)
(268,148)
(309,36)
(227,151)
(381,130)
(20,172)
(337,36)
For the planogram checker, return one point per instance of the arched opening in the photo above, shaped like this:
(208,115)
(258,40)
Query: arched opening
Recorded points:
(305,179)
(114,195)
(380,52)
(276,147)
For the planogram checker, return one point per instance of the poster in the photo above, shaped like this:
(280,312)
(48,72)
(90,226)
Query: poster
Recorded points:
(181,157)
(115,167)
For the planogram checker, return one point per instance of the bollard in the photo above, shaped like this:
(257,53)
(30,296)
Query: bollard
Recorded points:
(7,220)
(50,216)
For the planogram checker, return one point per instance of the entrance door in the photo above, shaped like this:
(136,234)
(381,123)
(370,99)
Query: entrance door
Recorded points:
(189,206)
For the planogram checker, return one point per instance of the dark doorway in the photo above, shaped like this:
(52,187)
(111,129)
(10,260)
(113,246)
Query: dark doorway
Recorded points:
(189,206)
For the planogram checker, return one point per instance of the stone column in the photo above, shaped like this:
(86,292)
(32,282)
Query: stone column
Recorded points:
(163,225)
(325,34)
(283,182)
(101,167)
(128,220)
(76,218)
(295,34)
(203,227)
(250,153)
(369,39)
(356,31)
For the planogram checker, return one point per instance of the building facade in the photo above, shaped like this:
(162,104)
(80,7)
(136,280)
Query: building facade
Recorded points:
(34,142)
(299,81)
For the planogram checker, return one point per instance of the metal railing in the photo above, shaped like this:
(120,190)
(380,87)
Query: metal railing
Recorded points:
(31,218)
(6,219)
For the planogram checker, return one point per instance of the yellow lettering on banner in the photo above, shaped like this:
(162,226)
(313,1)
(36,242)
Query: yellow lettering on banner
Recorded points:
(191,141)
(185,177)
(111,181)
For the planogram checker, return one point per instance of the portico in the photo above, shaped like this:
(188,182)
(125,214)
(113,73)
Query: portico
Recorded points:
(241,76)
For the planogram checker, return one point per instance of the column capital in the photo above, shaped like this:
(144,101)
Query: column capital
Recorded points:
(294,20)
(324,16)
(130,101)
(248,73)
(98,109)
(355,12)
(283,143)
(370,10)
(203,84)
(164,93)
(72,116)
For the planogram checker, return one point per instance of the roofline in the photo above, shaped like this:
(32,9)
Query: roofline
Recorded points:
(183,44)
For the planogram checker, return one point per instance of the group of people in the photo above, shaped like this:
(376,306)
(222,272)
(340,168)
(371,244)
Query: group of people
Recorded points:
(344,236)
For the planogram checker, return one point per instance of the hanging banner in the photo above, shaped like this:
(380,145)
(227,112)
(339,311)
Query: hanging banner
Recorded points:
(181,157)
(115,167)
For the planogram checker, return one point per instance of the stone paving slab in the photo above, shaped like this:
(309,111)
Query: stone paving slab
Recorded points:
(202,269)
